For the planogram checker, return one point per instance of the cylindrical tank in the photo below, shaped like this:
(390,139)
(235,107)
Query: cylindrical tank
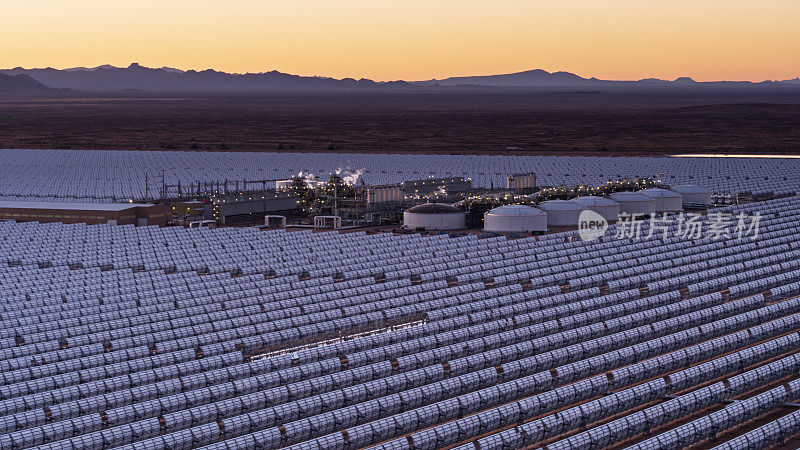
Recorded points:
(434,216)
(666,200)
(561,213)
(634,203)
(606,207)
(508,218)
(694,194)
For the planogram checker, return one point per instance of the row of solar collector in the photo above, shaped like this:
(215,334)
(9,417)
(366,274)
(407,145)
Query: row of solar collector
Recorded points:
(12,374)
(699,317)
(737,369)
(41,312)
(185,298)
(448,393)
(565,259)
(370,307)
(771,433)
(27,251)
(513,413)
(354,359)
(255,321)
(741,411)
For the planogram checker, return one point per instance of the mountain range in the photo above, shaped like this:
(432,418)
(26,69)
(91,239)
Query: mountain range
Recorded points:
(23,85)
(136,79)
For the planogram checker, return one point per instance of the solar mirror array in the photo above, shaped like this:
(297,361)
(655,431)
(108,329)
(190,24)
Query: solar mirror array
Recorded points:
(235,338)
(94,175)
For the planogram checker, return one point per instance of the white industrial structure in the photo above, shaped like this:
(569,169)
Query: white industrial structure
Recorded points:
(606,207)
(561,213)
(434,216)
(327,222)
(666,200)
(508,218)
(385,194)
(521,181)
(634,203)
(694,194)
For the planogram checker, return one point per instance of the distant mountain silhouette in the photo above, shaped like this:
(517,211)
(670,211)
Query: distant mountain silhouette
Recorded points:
(541,78)
(169,80)
(23,85)
(139,80)
(529,78)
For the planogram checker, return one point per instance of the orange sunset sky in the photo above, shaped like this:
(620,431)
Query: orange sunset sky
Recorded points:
(413,40)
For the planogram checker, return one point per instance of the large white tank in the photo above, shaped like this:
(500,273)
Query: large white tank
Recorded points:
(606,207)
(515,218)
(666,200)
(561,213)
(693,194)
(434,216)
(634,202)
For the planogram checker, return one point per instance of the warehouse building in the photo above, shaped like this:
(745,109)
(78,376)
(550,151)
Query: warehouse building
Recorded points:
(91,213)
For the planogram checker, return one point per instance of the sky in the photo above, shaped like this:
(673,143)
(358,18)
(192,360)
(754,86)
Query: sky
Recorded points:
(412,39)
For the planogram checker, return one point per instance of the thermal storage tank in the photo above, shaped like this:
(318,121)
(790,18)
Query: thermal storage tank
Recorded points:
(634,203)
(561,213)
(434,216)
(694,194)
(666,200)
(509,218)
(606,207)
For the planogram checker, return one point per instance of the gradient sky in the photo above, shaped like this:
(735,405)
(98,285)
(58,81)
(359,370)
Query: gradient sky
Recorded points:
(413,39)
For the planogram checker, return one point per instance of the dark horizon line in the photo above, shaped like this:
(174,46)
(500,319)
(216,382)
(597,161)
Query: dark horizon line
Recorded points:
(169,69)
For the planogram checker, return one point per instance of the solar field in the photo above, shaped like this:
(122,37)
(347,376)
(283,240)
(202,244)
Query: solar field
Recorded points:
(110,176)
(233,338)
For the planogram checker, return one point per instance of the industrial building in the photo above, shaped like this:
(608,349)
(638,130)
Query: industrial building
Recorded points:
(561,213)
(606,207)
(634,203)
(515,218)
(693,194)
(249,208)
(77,212)
(521,181)
(434,216)
(666,200)
(385,194)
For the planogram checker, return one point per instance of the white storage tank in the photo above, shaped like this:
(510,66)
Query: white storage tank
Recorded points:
(509,218)
(634,203)
(606,207)
(666,200)
(561,213)
(694,194)
(434,216)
